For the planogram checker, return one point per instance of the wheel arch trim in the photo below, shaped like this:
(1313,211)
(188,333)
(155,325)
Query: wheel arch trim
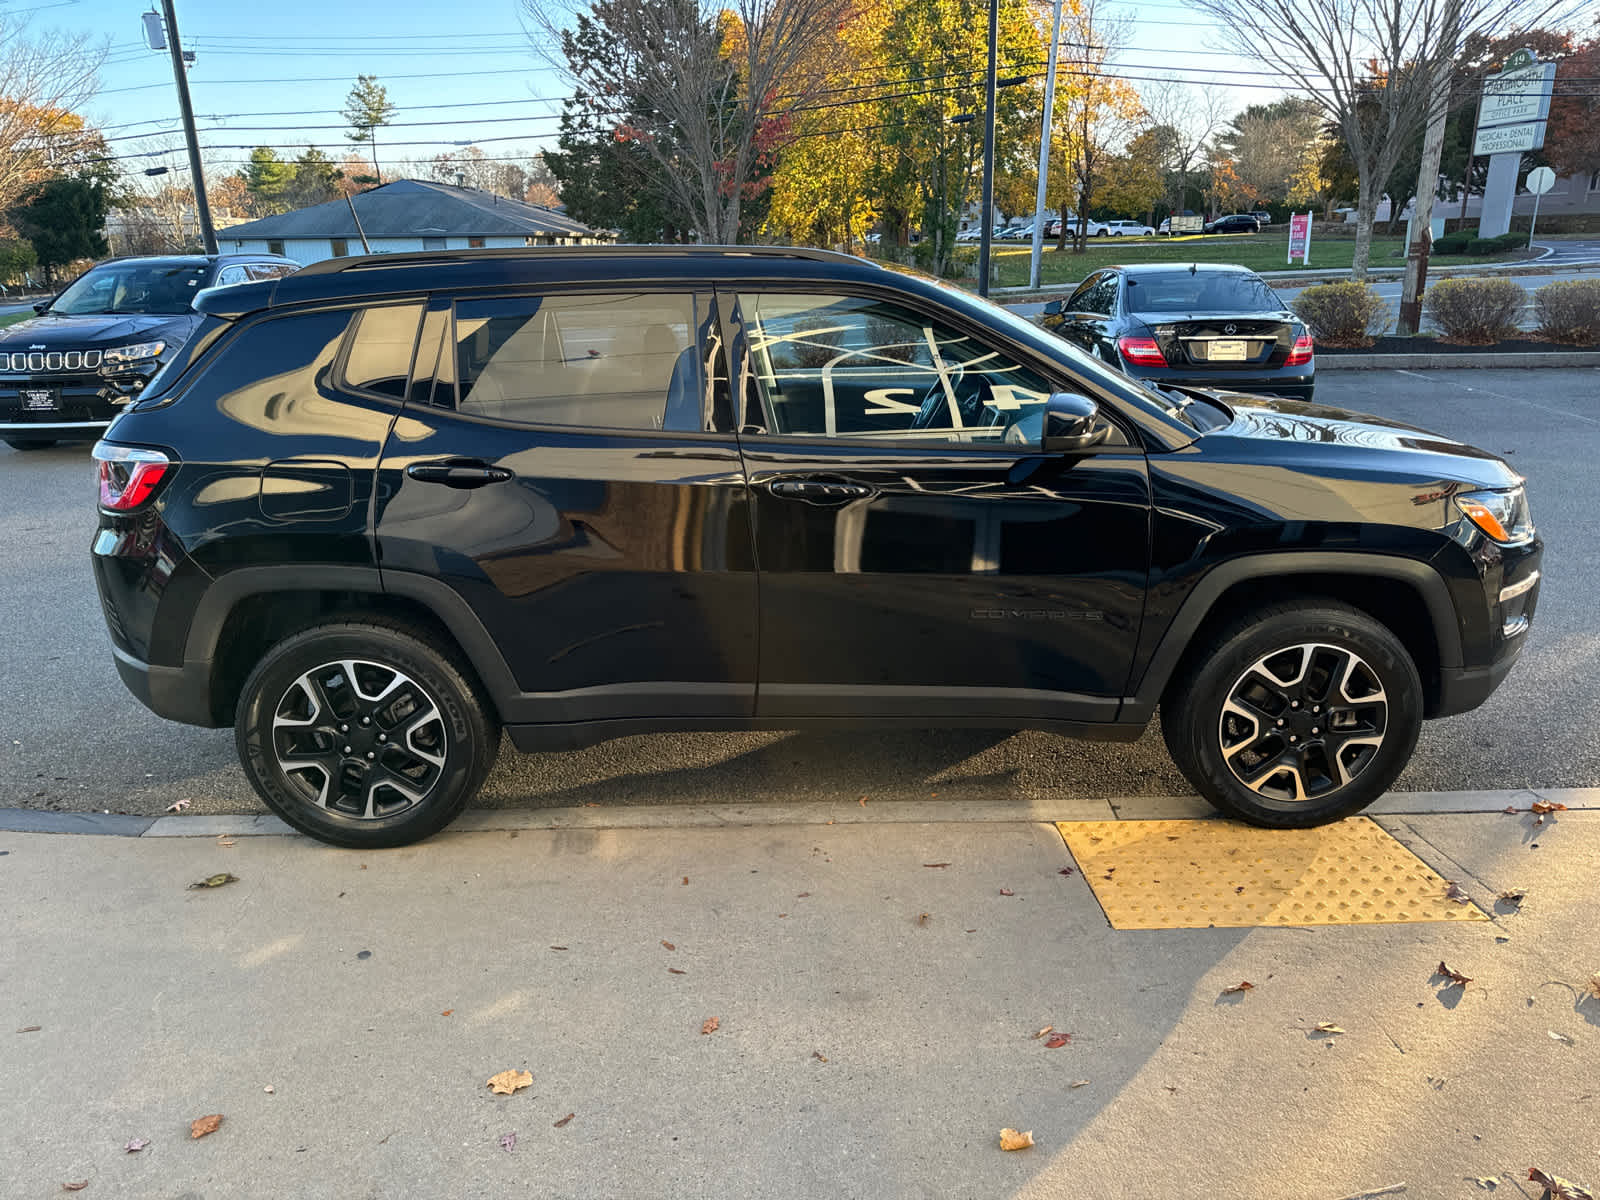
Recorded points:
(1421,577)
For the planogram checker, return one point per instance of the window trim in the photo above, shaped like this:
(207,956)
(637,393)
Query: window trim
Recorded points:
(744,386)
(341,381)
(444,371)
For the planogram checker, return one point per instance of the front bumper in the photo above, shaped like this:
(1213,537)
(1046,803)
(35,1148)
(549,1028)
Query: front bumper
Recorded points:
(87,401)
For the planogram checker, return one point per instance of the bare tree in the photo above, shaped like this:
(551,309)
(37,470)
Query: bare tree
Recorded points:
(703,87)
(44,80)
(1373,66)
(1098,114)
(1186,117)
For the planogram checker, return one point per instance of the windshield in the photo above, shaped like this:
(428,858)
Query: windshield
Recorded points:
(1199,291)
(133,287)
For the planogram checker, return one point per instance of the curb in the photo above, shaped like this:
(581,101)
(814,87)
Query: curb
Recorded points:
(730,816)
(1415,362)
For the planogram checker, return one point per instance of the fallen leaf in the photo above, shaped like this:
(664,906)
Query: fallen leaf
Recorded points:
(1010,1139)
(75,1187)
(801,895)
(30,1029)
(558,947)
(782,915)
(509,1081)
(508,1141)
(1487,1182)
(863,802)
(819,1056)
(1559,1037)
(179,805)
(1064,871)
(447,1012)
(224,840)
(1042,1032)
(1058,1041)
(922,918)
(1546,806)
(1077,1083)
(1238,891)
(711,1026)
(936,864)
(136,1144)
(201,1126)
(1329,1027)
(669,945)
(1594,990)
(364,955)
(213,881)
(1007,892)
(685,881)
(1511,810)
(1242,986)
(1558,1188)
(1454,891)
(675,971)
(268,1089)
(1512,897)
(564,1120)
(1456,978)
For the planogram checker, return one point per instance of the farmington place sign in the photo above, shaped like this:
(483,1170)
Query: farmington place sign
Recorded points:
(1515,106)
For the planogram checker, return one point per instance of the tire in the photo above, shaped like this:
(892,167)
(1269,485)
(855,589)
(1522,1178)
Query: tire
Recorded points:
(30,443)
(1226,718)
(356,785)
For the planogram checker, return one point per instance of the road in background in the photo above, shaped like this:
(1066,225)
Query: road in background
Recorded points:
(74,739)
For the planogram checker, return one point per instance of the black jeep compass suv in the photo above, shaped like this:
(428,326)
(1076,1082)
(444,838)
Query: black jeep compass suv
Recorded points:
(376,512)
(66,372)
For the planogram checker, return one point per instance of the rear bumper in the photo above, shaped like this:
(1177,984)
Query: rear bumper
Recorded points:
(1293,383)
(176,693)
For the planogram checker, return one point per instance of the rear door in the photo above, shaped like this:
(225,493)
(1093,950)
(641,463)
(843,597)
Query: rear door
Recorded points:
(920,558)
(566,464)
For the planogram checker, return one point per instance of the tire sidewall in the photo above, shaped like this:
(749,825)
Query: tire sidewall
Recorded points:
(1193,731)
(472,737)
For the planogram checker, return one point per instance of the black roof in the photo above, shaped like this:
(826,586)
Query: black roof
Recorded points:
(426,270)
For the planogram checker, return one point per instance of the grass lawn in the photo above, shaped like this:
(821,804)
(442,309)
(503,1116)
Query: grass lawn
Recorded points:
(1268,251)
(13,318)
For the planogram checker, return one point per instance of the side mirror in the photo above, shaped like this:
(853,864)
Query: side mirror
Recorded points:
(41,307)
(1053,308)
(1071,424)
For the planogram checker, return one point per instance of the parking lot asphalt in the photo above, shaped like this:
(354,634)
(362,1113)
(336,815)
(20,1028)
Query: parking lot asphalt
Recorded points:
(73,739)
(877,990)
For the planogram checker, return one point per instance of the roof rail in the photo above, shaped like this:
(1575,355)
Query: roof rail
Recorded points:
(414,258)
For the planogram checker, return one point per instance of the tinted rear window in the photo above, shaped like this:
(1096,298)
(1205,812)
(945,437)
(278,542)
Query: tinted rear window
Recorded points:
(1202,291)
(380,352)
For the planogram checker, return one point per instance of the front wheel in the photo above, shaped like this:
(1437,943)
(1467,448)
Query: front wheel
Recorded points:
(365,733)
(1296,715)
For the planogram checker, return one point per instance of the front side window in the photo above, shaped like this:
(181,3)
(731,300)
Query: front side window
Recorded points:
(850,367)
(380,353)
(229,276)
(604,361)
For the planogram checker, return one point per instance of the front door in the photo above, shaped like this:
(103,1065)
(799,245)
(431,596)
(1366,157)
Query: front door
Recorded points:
(564,468)
(919,557)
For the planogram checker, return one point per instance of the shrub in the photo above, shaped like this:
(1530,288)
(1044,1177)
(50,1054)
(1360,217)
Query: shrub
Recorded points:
(1452,243)
(1341,314)
(1497,245)
(1476,311)
(1569,312)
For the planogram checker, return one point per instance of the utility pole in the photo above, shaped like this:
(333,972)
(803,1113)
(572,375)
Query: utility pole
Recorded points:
(1416,278)
(986,237)
(196,174)
(1044,149)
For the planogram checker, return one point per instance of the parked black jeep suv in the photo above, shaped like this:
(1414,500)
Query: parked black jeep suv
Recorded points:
(65,373)
(378,511)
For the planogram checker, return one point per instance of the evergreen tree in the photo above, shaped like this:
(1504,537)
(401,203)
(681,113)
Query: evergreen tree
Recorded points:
(366,108)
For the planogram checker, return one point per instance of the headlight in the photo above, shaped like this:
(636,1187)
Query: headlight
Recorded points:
(137,352)
(1503,516)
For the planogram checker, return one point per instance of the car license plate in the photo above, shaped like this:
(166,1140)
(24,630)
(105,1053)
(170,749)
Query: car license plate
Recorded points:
(1226,351)
(41,398)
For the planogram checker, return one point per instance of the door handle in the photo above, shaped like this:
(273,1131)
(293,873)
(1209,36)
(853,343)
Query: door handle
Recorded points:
(458,472)
(818,491)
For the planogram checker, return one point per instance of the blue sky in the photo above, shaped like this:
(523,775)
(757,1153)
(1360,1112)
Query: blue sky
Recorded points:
(459,72)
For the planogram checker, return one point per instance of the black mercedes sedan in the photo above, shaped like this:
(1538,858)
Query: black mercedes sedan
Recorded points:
(1205,325)
(65,373)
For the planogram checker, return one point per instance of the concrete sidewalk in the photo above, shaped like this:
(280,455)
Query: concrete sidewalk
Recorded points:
(875,1016)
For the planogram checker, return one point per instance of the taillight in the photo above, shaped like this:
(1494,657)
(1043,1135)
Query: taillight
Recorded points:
(128,476)
(1141,351)
(1300,353)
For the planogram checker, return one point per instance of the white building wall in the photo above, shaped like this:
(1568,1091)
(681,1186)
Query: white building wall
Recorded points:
(310,250)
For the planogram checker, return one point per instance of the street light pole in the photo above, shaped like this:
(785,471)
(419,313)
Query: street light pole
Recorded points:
(1044,149)
(986,236)
(197,176)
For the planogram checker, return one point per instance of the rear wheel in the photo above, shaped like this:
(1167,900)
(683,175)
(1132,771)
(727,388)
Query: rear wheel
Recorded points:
(365,733)
(1295,715)
(30,443)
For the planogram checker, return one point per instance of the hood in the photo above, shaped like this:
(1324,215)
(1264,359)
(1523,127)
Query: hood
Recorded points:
(1354,441)
(103,331)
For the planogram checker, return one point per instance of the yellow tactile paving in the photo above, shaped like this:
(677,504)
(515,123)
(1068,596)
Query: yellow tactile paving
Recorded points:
(1199,874)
